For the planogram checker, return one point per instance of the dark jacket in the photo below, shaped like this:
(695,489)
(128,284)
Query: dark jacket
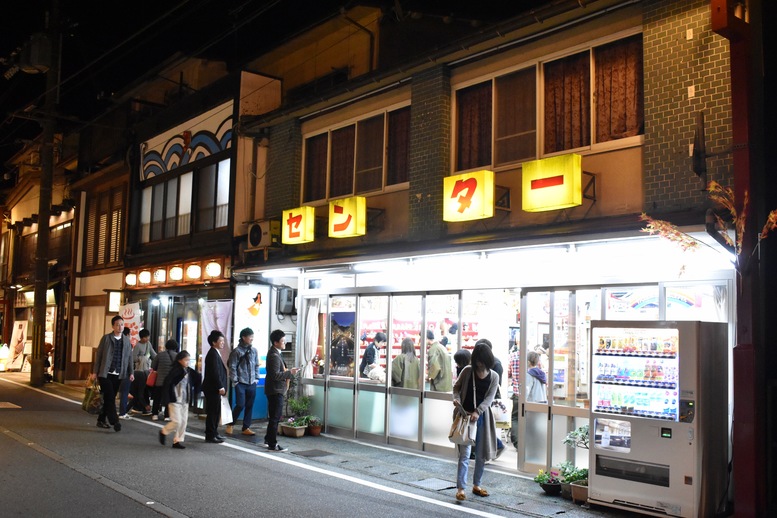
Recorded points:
(277,375)
(215,373)
(162,364)
(177,373)
(104,356)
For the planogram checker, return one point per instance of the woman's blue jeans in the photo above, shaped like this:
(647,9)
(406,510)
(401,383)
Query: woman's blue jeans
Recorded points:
(480,461)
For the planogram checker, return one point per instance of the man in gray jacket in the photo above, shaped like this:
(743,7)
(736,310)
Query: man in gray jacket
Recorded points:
(112,363)
(244,373)
(275,386)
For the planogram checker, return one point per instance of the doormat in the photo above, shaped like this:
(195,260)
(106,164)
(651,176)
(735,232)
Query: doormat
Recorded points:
(312,453)
(6,404)
(435,484)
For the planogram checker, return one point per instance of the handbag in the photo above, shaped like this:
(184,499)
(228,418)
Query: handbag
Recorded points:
(151,379)
(93,398)
(226,412)
(463,430)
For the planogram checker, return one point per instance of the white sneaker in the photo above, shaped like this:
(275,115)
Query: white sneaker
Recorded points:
(125,416)
(167,418)
(155,418)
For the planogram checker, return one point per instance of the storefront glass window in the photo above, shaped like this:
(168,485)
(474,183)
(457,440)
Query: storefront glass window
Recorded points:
(703,302)
(341,349)
(373,319)
(632,303)
(441,312)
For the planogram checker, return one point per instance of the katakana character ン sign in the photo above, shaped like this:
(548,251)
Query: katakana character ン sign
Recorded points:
(347,217)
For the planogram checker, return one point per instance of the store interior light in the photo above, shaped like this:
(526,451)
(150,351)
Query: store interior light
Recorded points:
(160,275)
(176,273)
(144,277)
(155,301)
(213,269)
(287,272)
(131,279)
(382,266)
(193,271)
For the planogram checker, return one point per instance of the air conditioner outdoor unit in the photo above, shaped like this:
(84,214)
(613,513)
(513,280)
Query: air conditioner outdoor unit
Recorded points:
(264,234)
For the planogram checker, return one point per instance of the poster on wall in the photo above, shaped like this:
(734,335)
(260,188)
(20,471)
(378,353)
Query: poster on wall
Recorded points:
(252,309)
(131,315)
(215,315)
(18,341)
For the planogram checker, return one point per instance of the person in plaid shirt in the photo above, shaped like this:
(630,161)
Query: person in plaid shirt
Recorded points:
(514,374)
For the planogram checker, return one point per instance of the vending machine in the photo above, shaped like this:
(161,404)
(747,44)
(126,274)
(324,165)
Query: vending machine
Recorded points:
(659,427)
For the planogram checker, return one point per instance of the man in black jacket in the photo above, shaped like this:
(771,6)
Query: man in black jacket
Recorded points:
(275,386)
(214,386)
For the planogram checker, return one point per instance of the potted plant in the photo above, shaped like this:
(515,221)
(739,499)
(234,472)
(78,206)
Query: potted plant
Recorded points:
(580,490)
(314,425)
(549,482)
(294,426)
(577,478)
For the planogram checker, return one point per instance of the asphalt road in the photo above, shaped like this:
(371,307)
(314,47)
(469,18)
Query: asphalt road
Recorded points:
(55,462)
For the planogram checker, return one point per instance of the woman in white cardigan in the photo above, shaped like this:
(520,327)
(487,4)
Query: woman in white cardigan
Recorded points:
(475,394)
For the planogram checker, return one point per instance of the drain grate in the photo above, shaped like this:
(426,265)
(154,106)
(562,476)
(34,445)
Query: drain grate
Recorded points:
(434,484)
(312,453)
(6,404)
(538,508)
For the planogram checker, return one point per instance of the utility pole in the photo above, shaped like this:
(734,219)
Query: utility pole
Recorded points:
(37,364)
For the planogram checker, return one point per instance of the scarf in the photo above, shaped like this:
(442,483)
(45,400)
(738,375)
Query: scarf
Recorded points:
(539,374)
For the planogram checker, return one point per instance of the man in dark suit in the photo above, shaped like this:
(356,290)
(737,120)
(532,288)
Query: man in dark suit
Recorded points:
(275,386)
(112,364)
(214,385)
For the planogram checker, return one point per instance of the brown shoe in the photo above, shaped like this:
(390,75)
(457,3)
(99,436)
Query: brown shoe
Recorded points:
(248,431)
(229,429)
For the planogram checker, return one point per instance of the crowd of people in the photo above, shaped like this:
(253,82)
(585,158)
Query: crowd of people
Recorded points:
(124,371)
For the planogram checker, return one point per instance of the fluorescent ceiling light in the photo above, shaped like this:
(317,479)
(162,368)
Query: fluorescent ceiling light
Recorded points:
(287,272)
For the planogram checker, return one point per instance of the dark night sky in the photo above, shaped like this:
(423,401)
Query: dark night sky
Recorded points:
(106,45)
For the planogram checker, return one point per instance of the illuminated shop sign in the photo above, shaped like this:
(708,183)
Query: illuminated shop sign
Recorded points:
(468,196)
(298,226)
(347,217)
(552,183)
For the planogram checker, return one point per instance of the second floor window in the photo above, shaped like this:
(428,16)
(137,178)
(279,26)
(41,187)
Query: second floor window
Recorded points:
(169,206)
(588,98)
(358,158)
(104,220)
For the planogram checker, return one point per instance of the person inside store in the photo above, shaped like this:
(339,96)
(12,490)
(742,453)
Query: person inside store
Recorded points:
(162,364)
(439,371)
(474,391)
(244,373)
(112,364)
(370,357)
(142,356)
(514,375)
(175,396)
(462,358)
(214,386)
(536,381)
(276,384)
(406,369)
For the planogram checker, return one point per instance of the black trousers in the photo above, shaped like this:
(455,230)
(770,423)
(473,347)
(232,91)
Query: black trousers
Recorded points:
(212,415)
(109,387)
(274,409)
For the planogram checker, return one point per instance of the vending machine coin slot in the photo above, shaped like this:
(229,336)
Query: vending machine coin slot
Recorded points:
(687,410)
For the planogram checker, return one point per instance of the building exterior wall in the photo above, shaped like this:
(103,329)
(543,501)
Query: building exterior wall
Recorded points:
(284,169)
(673,63)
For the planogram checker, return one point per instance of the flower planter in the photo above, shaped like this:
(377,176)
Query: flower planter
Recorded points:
(293,431)
(551,489)
(314,430)
(566,490)
(579,491)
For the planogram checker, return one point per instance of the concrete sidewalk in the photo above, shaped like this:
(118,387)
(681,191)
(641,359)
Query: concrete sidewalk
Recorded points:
(509,491)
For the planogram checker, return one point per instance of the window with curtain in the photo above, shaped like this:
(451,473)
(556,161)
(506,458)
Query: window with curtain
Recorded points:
(567,107)
(167,206)
(618,89)
(473,122)
(104,220)
(358,158)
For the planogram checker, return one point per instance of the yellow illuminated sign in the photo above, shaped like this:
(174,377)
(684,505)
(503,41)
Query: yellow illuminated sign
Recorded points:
(348,217)
(552,183)
(299,226)
(468,196)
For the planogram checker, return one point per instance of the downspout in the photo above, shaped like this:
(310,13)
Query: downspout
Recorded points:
(369,34)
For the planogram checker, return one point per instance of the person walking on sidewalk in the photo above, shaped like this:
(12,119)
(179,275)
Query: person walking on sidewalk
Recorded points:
(276,384)
(214,385)
(124,387)
(163,362)
(142,356)
(112,364)
(175,397)
(244,373)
